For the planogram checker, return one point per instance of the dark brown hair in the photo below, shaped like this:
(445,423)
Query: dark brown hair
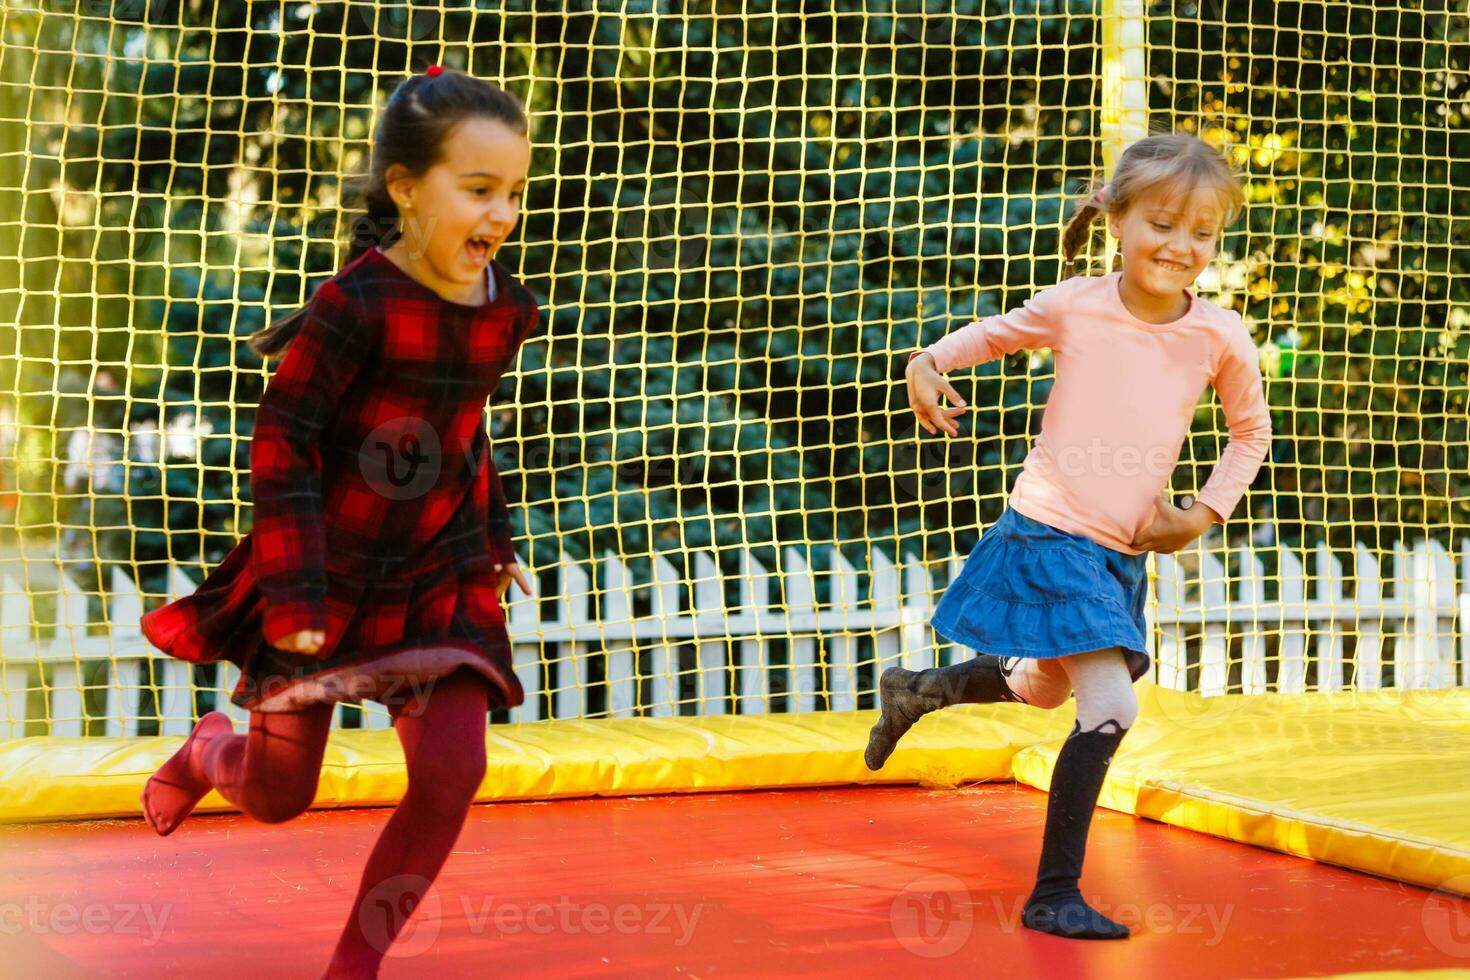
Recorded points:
(419,116)
(1181,161)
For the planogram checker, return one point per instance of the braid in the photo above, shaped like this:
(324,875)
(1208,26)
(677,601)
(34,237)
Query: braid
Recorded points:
(372,226)
(1077,233)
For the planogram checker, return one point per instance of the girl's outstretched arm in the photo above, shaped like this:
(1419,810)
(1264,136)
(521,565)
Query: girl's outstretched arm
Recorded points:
(288,555)
(1034,324)
(1237,381)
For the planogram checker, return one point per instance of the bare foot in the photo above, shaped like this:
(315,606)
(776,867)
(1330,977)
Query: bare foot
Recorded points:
(173,791)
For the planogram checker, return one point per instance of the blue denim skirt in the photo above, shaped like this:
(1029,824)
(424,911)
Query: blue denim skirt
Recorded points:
(1030,590)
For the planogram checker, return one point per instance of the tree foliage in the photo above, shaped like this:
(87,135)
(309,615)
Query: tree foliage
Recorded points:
(742,217)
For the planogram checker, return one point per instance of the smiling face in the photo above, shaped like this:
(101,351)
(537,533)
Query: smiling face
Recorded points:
(456,216)
(1167,238)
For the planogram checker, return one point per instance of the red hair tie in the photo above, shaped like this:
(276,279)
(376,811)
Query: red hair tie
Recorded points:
(433,70)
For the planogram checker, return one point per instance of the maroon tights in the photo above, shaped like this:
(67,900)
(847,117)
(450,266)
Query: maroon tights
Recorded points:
(271,773)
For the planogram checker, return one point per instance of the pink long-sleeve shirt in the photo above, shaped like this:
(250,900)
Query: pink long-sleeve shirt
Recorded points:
(1121,407)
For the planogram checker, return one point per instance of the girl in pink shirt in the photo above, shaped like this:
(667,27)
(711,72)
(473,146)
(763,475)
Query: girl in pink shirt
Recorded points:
(1054,592)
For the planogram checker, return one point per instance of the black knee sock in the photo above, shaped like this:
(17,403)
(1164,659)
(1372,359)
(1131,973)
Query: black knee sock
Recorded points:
(978,681)
(1056,904)
(905,696)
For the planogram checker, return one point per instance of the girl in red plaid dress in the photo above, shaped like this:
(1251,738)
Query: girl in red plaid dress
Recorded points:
(382,541)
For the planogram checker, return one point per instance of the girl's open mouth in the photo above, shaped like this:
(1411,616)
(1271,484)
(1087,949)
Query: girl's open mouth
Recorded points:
(479,250)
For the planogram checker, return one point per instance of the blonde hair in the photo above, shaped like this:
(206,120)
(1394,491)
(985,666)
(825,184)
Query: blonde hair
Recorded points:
(1181,161)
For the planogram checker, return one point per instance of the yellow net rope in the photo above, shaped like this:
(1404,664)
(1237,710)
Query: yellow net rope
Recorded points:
(741,219)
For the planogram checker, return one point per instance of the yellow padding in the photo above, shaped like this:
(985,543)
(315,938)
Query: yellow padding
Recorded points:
(50,778)
(1376,781)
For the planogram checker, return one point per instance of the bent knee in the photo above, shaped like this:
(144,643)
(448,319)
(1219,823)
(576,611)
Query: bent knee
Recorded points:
(1126,711)
(279,805)
(1048,698)
(1041,683)
(1120,708)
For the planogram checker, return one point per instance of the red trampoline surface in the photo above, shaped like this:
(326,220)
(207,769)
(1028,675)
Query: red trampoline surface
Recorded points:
(852,882)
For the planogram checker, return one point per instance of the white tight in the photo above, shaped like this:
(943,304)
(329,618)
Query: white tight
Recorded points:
(1099,677)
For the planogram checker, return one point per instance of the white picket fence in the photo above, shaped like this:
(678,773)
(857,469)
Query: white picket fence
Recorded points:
(772,645)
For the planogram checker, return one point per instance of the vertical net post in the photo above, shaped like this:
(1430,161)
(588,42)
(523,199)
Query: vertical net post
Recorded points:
(1124,104)
(1124,93)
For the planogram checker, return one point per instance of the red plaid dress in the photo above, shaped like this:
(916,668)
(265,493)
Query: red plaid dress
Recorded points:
(378,513)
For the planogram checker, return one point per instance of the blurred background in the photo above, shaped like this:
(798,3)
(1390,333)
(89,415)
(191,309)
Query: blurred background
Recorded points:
(741,218)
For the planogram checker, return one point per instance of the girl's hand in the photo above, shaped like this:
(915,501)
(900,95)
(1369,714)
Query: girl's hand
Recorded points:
(302,641)
(503,576)
(925,386)
(1171,528)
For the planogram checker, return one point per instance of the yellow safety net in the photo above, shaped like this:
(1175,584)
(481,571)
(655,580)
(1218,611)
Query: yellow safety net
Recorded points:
(741,219)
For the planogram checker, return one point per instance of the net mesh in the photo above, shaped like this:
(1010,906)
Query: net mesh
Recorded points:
(741,219)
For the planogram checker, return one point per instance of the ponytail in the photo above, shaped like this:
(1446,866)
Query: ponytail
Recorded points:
(272,340)
(1079,230)
(371,228)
